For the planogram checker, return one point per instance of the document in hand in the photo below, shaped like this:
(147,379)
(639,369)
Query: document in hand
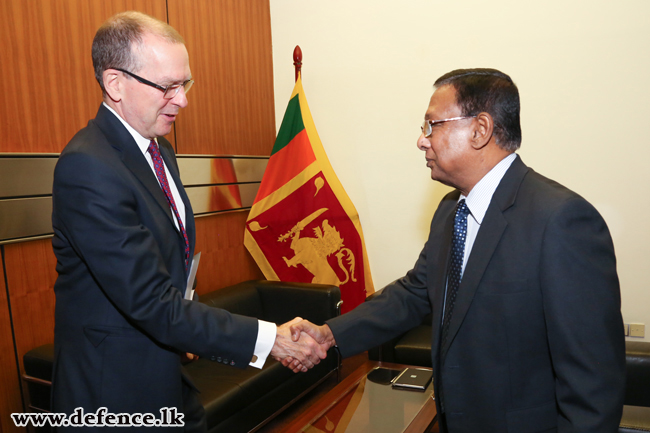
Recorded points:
(189,289)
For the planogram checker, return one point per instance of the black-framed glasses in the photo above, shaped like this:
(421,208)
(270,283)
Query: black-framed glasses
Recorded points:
(427,125)
(169,92)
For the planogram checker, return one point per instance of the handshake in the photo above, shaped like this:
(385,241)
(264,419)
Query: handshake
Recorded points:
(299,344)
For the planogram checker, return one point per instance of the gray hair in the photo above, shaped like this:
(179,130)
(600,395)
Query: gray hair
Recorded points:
(115,40)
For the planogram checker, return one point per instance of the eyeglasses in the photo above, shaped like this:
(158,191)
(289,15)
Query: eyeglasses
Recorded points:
(427,125)
(169,92)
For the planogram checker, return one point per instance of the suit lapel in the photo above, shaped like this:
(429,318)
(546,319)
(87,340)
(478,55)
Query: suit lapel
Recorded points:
(132,157)
(487,239)
(440,245)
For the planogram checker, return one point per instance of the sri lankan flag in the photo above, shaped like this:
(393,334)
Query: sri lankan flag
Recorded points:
(302,226)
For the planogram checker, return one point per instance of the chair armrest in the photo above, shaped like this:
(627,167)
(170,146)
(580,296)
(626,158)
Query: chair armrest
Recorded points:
(282,301)
(637,366)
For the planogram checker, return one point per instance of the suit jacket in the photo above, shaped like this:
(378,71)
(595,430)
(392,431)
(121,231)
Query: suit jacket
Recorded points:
(536,337)
(121,320)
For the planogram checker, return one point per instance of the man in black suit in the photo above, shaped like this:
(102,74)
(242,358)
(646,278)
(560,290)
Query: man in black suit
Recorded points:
(519,274)
(124,238)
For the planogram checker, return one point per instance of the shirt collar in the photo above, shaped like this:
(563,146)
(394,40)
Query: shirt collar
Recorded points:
(143,143)
(480,196)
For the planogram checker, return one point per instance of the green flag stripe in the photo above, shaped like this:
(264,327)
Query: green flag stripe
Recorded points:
(291,125)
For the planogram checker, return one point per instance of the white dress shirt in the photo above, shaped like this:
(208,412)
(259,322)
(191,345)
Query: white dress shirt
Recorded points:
(266,330)
(478,200)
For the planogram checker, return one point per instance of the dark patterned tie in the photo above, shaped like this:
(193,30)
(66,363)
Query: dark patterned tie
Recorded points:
(159,167)
(455,264)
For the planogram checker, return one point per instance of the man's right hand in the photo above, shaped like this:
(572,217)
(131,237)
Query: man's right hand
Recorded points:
(301,350)
(321,335)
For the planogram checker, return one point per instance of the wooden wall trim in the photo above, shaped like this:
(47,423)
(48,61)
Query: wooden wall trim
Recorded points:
(31,274)
(10,384)
(213,184)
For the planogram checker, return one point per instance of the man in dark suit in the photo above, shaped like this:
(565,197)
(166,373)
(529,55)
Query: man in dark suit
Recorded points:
(519,274)
(124,238)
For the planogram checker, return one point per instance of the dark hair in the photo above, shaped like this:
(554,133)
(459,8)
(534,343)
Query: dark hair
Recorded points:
(113,46)
(490,91)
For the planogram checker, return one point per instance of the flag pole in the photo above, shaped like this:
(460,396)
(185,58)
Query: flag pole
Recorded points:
(297,60)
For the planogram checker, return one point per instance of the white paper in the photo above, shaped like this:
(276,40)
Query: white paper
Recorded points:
(189,292)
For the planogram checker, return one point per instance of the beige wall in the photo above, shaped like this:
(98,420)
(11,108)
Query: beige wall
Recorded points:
(583,71)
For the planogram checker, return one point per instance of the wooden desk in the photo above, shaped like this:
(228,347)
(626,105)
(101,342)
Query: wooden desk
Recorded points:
(336,409)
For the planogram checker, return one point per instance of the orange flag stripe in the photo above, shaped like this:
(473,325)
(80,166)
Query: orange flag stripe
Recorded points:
(286,164)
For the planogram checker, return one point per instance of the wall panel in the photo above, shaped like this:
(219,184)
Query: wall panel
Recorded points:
(51,94)
(31,274)
(50,91)
(231,107)
(9,382)
(224,259)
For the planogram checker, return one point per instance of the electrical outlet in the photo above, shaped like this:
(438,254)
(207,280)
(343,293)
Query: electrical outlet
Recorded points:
(637,330)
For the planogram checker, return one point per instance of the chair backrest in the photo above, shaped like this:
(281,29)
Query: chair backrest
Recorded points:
(238,299)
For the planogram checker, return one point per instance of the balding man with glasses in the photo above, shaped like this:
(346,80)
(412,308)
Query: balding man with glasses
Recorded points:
(124,240)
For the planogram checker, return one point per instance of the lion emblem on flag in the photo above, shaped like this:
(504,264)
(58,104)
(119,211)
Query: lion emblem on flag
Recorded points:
(312,252)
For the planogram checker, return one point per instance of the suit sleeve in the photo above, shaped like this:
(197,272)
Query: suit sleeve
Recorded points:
(584,324)
(400,306)
(97,212)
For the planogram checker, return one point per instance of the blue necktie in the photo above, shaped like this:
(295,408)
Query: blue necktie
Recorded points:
(455,264)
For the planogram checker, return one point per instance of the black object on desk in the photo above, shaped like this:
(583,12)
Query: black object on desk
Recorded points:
(413,378)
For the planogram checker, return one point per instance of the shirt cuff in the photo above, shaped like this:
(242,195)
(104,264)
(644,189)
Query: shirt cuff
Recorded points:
(266,333)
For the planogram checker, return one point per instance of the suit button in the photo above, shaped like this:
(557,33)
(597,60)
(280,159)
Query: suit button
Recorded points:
(225,361)
(218,359)
(212,358)
(232,362)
